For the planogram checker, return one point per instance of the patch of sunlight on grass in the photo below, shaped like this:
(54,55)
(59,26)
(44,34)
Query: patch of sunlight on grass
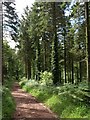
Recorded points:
(52,100)
(61,101)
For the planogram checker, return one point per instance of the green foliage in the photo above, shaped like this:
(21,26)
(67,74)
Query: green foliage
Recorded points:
(31,83)
(65,101)
(0,101)
(8,104)
(54,41)
(11,20)
(46,78)
(8,83)
(11,66)
(27,83)
(23,81)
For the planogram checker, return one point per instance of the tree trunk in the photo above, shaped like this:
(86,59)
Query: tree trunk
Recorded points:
(72,71)
(55,63)
(28,69)
(33,69)
(44,53)
(1,43)
(25,67)
(80,68)
(65,58)
(38,65)
(60,76)
(69,67)
(87,40)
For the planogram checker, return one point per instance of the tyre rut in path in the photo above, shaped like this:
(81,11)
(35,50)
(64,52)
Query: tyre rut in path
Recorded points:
(28,108)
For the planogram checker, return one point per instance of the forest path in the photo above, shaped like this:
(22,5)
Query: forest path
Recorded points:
(28,108)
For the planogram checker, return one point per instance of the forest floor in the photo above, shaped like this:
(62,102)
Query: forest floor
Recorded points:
(28,107)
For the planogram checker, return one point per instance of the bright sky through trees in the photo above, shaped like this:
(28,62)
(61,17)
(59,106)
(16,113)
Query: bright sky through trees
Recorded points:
(20,5)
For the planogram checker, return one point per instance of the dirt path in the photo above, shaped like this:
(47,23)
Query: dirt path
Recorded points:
(28,108)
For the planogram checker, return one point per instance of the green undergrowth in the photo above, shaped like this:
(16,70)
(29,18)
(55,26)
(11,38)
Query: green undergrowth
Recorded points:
(66,101)
(0,101)
(8,83)
(8,103)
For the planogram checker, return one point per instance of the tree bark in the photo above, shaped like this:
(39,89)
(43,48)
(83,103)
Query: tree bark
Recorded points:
(55,63)
(65,57)
(80,68)
(87,40)
(72,71)
(29,69)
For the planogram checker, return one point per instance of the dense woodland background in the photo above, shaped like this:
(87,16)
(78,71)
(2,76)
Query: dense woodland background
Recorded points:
(49,39)
(52,45)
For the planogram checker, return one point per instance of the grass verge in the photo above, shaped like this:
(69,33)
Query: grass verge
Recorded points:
(8,104)
(62,100)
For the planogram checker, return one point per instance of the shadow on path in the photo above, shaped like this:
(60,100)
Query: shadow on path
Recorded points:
(28,108)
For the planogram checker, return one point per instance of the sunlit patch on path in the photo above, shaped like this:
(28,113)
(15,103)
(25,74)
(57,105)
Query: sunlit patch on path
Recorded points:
(28,108)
